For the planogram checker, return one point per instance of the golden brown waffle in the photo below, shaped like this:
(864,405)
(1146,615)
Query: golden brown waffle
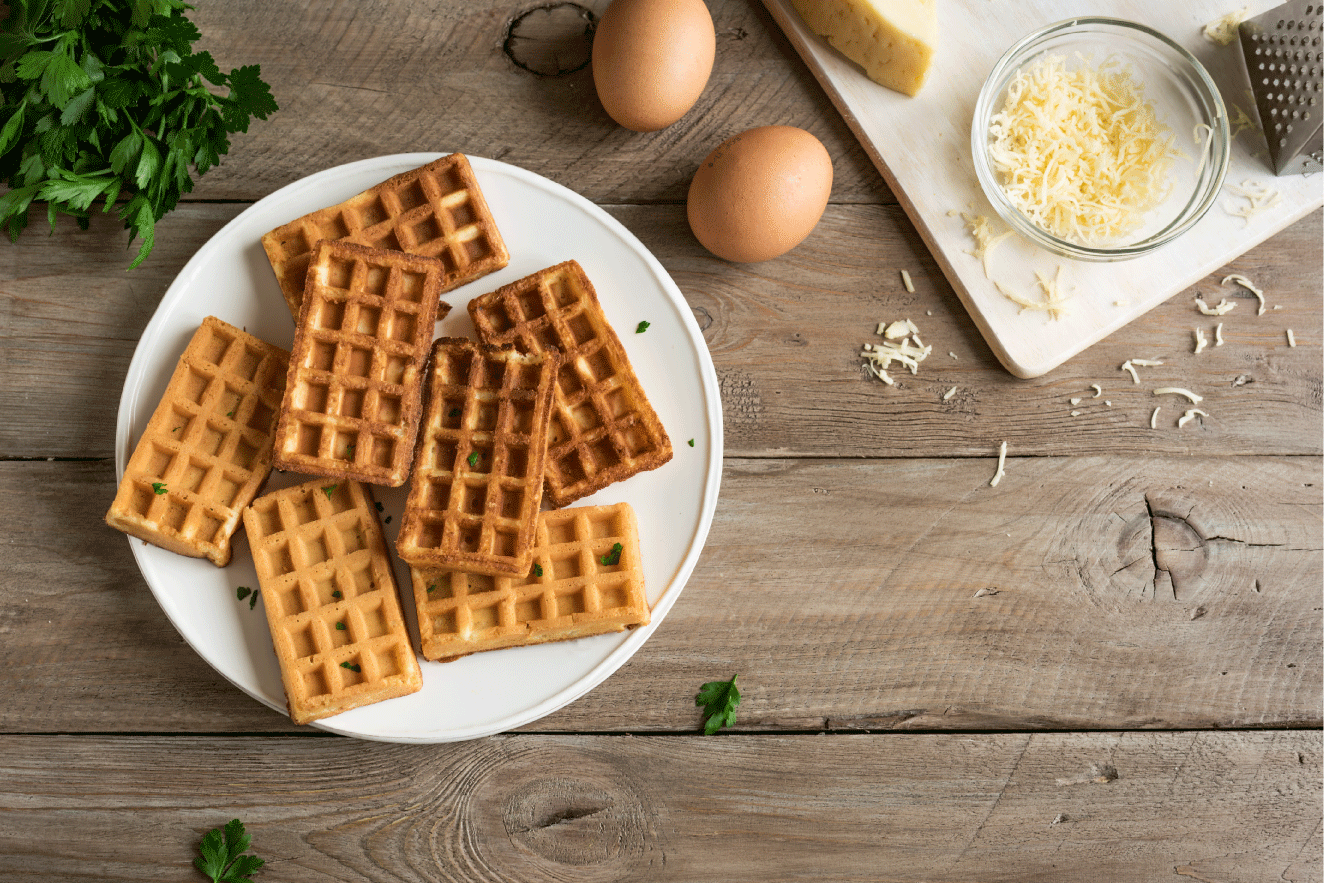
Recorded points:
(207,448)
(437,211)
(582,584)
(477,481)
(603,429)
(330,598)
(354,393)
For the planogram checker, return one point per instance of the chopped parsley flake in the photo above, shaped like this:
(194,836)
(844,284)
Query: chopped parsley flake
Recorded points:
(473,459)
(641,328)
(336,593)
(432,588)
(388,519)
(329,489)
(612,557)
(340,626)
(351,666)
(158,487)
(691,442)
(242,592)
(537,570)
(455,412)
(252,600)
(378,505)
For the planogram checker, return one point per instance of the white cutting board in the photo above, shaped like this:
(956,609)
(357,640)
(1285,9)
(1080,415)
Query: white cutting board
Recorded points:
(922,147)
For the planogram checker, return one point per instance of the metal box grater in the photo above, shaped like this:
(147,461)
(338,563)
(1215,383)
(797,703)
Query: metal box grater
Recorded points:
(1284,54)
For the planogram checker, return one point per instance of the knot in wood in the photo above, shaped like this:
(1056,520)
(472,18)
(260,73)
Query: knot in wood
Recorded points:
(579,822)
(551,40)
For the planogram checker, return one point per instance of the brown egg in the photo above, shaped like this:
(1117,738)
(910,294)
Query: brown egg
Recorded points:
(760,193)
(651,60)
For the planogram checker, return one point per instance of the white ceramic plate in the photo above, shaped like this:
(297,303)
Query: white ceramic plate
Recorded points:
(543,223)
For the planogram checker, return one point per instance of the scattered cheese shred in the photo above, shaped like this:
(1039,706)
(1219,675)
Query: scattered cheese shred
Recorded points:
(1055,299)
(1249,286)
(1081,152)
(1224,307)
(1291,338)
(1240,121)
(1189,416)
(901,343)
(1098,390)
(1076,401)
(1129,368)
(1178,391)
(905,280)
(1200,342)
(1223,30)
(1075,413)
(1153,419)
(949,393)
(1147,363)
(1258,198)
(985,240)
(1218,334)
(1002,462)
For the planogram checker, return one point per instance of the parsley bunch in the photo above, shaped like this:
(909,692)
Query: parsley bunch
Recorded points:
(106,99)
(223,858)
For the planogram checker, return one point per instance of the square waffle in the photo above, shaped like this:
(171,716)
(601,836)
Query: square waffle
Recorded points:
(603,429)
(207,448)
(477,482)
(437,211)
(581,584)
(331,599)
(354,392)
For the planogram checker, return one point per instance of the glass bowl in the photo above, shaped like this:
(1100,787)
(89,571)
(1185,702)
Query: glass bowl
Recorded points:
(1183,96)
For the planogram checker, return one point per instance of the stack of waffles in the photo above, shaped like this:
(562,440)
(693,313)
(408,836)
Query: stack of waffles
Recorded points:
(545,407)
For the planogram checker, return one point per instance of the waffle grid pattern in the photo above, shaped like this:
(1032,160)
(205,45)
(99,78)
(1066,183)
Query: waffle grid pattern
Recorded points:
(330,598)
(570,593)
(206,449)
(477,480)
(436,211)
(602,429)
(353,397)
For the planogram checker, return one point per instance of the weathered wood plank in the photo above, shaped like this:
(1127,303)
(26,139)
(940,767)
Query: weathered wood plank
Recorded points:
(1214,807)
(357,80)
(785,338)
(1129,593)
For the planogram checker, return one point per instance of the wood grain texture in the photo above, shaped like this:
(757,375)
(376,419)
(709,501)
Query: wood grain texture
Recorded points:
(784,336)
(1212,807)
(362,79)
(1082,593)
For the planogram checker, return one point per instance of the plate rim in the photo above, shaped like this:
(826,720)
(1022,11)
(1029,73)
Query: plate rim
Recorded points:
(149,343)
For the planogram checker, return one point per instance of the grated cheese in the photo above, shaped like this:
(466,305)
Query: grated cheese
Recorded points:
(1258,198)
(1223,30)
(1147,363)
(1240,122)
(1200,342)
(1075,401)
(1153,419)
(1178,391)
(1098,390)
(901,343)
(1054,302)
(1249,286)
(1189,416)
(1002,462)
(1081,152)
(1224,307)
(905,280)
(1218,334)
(1291,338)
(985,240)
(949,393)
(1075,413)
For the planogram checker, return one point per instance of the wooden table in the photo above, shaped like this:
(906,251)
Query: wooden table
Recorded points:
(1106,668)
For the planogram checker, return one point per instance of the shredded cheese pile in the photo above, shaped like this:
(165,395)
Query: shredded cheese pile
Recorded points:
(901,343)
(1081,152)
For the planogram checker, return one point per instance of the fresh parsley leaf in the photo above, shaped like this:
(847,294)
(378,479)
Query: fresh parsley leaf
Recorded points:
(222,855)
(720,700)
(104,100)
(613,557)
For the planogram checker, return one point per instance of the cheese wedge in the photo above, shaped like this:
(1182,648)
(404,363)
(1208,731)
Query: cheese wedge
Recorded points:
(893,40)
